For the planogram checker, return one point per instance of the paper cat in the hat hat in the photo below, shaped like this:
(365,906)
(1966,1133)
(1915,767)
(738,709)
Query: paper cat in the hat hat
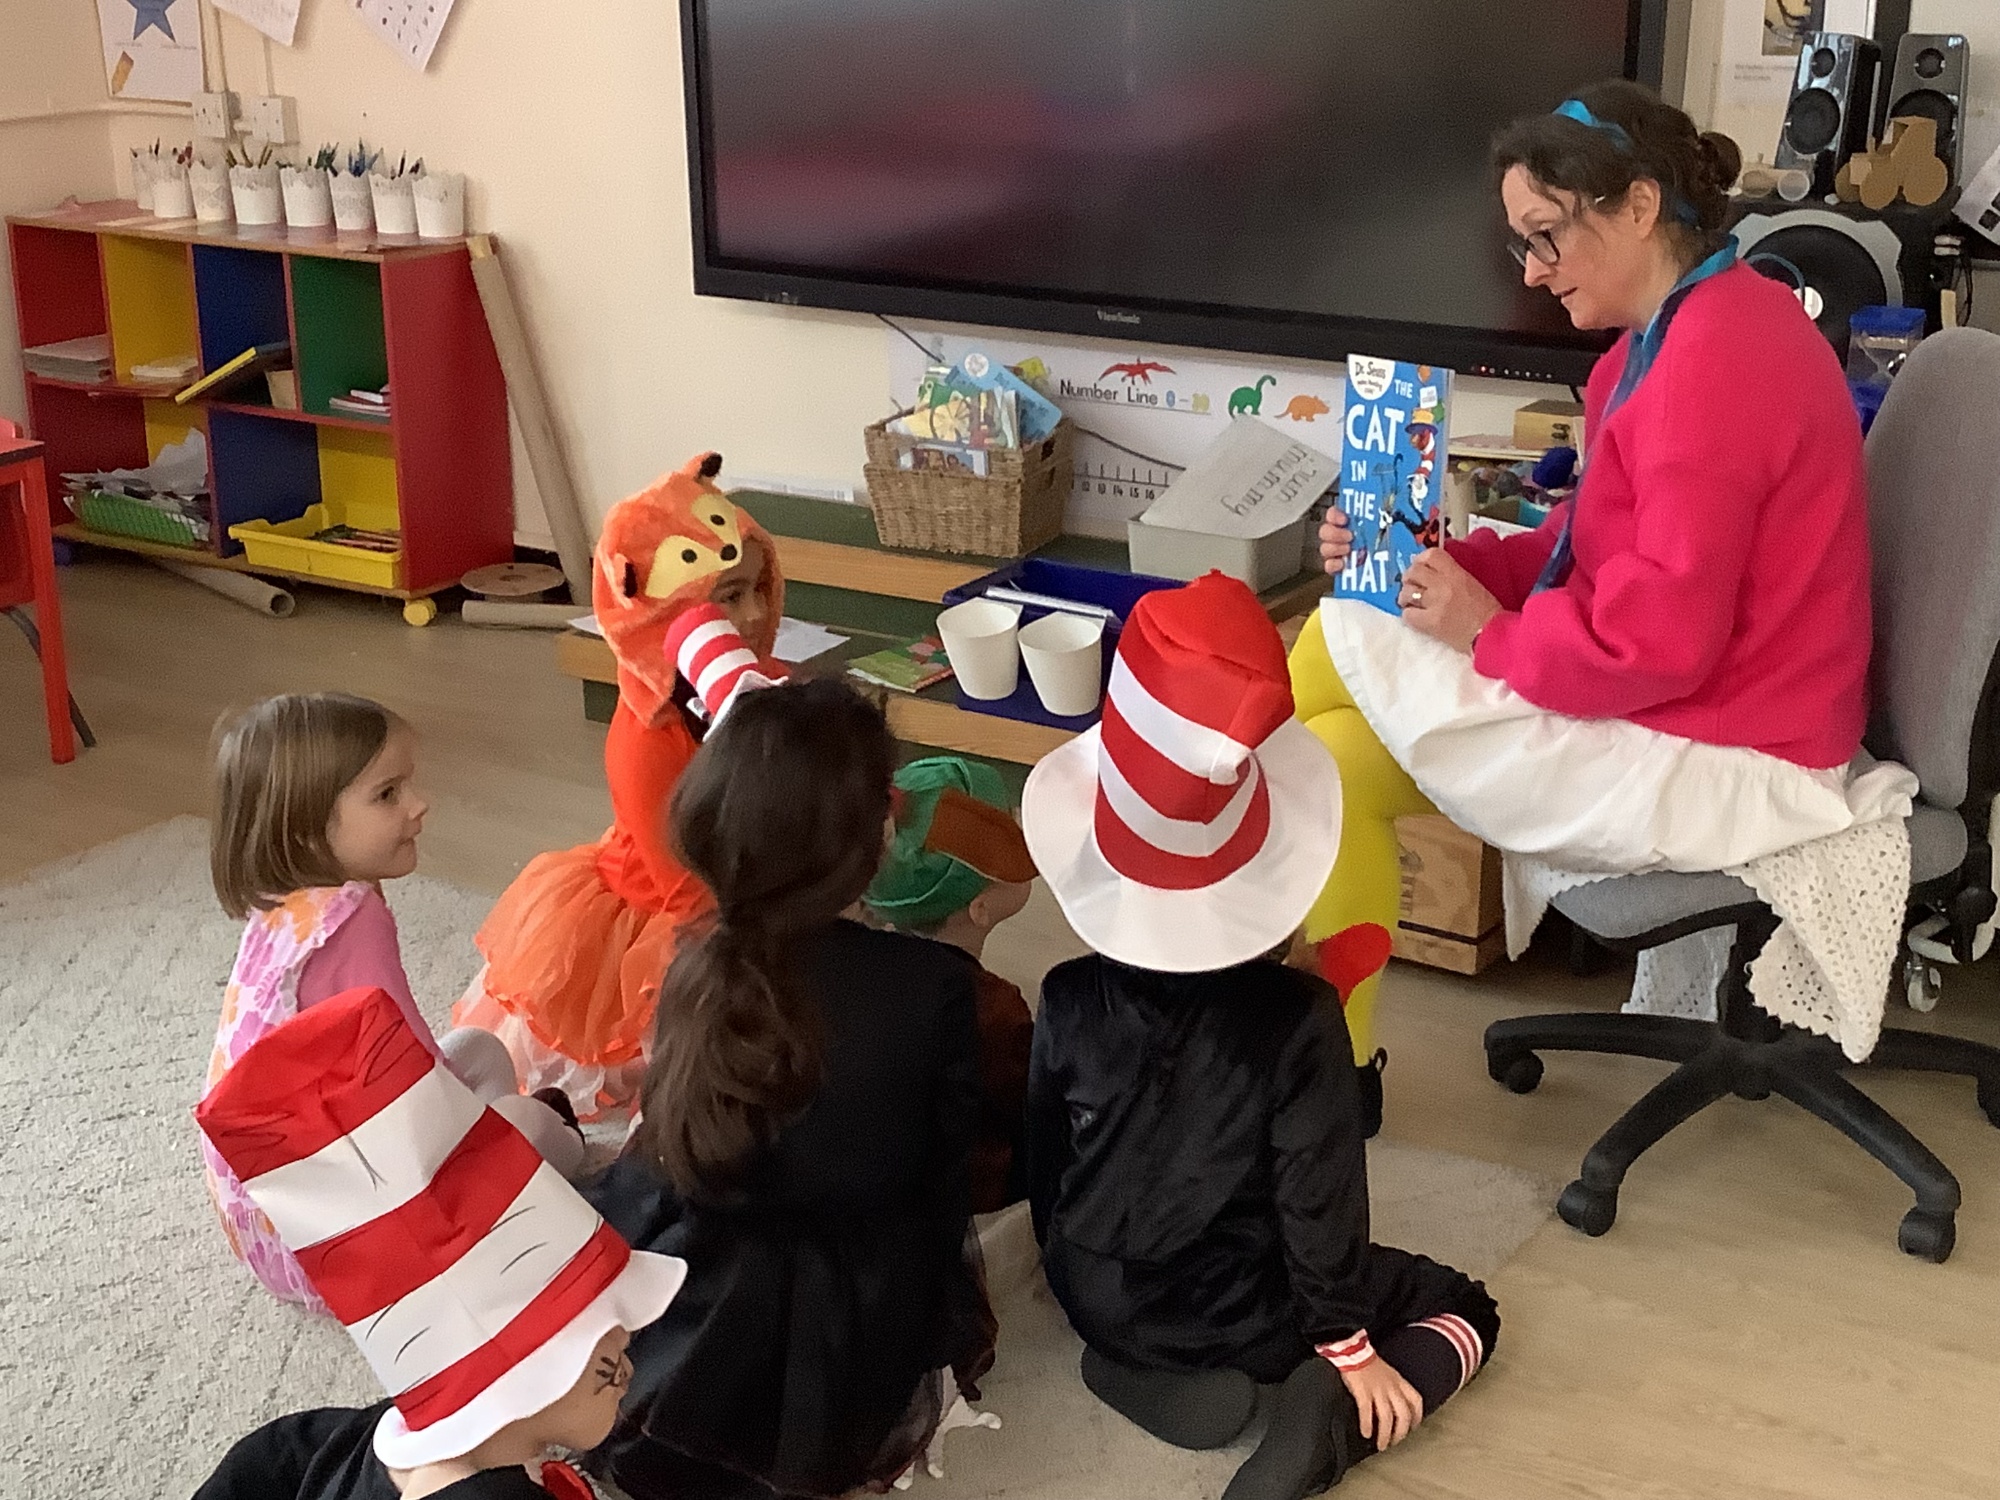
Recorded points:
(576,946)
(491,1301)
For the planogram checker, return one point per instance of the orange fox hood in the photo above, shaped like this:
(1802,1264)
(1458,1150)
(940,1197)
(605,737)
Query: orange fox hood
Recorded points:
(660,552)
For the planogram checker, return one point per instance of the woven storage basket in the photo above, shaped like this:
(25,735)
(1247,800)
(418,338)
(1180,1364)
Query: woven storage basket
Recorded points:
(1016,508)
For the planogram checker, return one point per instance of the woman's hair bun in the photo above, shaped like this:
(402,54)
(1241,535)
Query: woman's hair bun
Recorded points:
(1723,157)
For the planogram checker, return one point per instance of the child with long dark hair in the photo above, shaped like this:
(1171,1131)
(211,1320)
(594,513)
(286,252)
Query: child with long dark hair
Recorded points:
(808,1112)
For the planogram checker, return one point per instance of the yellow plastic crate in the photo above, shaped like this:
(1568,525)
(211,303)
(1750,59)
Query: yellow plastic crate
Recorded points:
(289,546)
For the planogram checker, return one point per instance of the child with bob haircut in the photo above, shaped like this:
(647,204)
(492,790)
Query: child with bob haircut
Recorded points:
(315,806)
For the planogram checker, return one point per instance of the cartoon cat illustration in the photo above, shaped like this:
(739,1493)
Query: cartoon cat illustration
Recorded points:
(1250,398)
(1303,408)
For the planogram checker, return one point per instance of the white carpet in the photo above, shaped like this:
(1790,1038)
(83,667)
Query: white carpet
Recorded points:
(137,1350)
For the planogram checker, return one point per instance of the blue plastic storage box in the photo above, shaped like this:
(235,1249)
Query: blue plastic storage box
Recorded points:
(1103,587)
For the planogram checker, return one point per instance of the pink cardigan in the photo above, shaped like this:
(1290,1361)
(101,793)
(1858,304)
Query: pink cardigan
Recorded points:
(1721,584)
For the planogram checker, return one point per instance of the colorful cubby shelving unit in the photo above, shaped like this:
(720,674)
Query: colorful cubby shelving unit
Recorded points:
(358,311)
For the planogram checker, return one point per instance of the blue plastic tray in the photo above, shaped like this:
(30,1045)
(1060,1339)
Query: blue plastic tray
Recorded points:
(1115,591)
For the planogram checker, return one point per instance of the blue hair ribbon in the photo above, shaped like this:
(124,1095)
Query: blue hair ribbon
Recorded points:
(1577,110)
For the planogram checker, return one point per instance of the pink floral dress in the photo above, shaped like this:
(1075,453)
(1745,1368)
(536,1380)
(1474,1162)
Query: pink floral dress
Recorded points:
(263,994)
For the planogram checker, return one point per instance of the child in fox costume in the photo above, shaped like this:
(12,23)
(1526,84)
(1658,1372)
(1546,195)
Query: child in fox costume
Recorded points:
(576,947)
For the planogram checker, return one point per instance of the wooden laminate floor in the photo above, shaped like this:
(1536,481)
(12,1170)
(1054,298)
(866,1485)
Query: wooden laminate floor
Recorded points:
(1747,1329)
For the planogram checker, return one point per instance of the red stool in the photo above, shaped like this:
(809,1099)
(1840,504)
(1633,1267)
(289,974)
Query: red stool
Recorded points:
(28,576)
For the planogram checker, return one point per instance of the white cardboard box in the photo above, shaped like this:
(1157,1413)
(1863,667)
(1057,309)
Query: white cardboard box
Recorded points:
(1241,507)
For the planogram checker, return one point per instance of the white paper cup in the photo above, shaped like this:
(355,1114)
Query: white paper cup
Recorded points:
(979,638)
(258,197)
(172,198)
(1065,657)
(353,202)
(142,180)
(440,201)
(395,204)
(308,198)
(210,186)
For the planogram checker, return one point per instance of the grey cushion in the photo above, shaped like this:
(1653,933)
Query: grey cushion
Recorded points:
(1934,499)
(1632,906)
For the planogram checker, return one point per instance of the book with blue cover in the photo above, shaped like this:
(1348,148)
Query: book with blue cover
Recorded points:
(1391,473)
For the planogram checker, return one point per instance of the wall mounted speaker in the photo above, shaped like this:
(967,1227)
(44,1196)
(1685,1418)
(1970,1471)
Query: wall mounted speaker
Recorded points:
(1929,82)
(1833,92)
(1841,258)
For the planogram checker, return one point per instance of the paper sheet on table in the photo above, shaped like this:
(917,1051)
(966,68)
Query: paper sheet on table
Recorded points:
(277,19)
(1248,483)
(798,640)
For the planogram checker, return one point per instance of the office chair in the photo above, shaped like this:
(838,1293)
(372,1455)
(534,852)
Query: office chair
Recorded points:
(1934,483)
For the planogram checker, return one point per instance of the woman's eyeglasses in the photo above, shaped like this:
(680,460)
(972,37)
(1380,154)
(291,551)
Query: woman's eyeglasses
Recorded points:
(1542,243)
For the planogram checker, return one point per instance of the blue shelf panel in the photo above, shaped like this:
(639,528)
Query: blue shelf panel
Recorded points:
(239,301)
(266,469)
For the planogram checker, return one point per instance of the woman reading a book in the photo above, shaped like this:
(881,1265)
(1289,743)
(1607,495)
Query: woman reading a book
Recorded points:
(1671,672)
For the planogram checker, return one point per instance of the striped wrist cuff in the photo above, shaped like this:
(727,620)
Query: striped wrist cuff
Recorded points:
(1348,1354)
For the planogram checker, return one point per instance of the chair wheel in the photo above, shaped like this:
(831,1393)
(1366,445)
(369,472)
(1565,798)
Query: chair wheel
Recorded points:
(1928,1236)
(1517,1072)
(1593,1210)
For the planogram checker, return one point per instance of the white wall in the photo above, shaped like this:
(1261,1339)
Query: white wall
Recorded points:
(54,133)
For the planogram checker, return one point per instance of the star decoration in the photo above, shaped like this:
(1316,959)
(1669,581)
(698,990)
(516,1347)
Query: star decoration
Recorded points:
(148,13)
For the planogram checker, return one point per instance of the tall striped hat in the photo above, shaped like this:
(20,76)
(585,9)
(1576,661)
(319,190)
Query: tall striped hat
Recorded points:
(1195,826)
(474,1278)
(705,649)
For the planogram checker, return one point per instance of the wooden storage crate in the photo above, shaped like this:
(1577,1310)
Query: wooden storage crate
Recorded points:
(1453,916)
(1015,508)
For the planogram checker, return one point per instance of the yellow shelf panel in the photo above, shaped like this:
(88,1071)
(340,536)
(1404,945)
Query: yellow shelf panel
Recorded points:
(167,423)
(150,290)
(357,476)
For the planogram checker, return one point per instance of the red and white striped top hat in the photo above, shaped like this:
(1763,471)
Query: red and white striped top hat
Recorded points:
(1195,826)
(705,649)
(476,1281)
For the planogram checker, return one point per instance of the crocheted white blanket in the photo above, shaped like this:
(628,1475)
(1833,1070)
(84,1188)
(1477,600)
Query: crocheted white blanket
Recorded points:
(1840,902)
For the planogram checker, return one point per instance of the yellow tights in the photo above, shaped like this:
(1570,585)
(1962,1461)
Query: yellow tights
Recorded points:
(1366,884)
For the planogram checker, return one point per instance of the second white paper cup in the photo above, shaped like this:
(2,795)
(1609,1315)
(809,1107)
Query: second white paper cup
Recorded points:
(1065,657)
(979,637)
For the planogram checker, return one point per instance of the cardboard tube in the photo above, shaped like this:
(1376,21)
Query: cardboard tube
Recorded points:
(504,616)
(529,398)
(251,593)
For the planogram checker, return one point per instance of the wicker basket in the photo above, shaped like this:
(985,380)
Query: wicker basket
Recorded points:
(1016,508)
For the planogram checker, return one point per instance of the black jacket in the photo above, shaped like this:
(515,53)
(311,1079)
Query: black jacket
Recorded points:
(329,1454)
(815,1307)
(1196,1163)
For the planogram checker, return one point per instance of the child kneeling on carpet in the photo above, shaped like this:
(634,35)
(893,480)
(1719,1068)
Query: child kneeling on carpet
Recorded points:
(575,948)
(812,1098)
(956,870)
(1196,1166)
(315,806)
(488,1298)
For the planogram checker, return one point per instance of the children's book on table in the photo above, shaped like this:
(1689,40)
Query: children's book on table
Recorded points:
(1395,428)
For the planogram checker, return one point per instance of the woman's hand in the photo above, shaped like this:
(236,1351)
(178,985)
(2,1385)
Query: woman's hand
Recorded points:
(1443,601)
(1390,1406)
(1336,540)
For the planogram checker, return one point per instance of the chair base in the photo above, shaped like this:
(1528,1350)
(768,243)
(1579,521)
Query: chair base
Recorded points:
(1750,1057)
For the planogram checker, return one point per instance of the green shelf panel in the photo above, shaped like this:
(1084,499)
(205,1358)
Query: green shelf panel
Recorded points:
(337,310)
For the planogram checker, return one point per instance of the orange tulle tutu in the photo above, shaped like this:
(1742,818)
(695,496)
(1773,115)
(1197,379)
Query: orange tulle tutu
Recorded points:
(572,977)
